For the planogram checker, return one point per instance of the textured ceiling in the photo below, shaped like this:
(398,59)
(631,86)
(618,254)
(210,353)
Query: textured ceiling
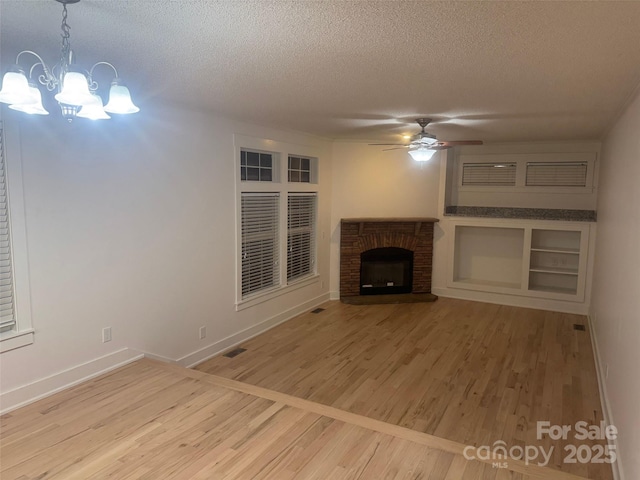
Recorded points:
(496,71)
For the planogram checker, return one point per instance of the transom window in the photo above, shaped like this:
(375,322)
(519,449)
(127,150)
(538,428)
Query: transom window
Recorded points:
(256,166)
(299,169)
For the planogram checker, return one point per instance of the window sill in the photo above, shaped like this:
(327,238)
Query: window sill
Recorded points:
(13,340)
(271,294)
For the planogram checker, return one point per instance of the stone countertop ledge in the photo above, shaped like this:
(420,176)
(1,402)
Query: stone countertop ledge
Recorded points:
(522,213)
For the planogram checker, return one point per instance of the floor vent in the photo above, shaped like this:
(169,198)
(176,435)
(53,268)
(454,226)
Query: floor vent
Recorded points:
(577,326)
(317,310)
(234,352)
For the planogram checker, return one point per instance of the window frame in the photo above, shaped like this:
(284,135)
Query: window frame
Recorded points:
(23,333)
(280,184)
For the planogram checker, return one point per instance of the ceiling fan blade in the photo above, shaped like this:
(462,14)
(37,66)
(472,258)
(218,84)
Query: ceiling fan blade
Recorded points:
(388,144)
(396,148)
(461,142)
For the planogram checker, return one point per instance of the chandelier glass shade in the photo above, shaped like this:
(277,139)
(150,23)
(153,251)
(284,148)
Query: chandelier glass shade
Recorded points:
(77,91)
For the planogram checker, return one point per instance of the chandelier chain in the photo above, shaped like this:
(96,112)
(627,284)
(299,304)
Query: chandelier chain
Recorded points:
(66,34)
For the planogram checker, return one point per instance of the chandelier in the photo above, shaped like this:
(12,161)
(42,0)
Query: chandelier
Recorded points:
(76,89)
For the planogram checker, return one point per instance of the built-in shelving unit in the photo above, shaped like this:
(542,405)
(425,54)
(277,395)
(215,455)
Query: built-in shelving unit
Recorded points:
(554,264)
(536,259)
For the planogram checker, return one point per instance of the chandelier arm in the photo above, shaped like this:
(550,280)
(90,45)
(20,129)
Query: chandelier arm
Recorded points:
(47,78)
(93,85)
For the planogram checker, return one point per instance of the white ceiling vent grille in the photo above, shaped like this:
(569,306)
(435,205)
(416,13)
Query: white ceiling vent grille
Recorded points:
(557,174)
(489,174)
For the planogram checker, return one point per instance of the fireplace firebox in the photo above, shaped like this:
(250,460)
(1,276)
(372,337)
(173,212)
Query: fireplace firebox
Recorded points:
(386,270)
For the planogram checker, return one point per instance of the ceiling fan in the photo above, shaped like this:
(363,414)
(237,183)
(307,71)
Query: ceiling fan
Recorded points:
(423,145)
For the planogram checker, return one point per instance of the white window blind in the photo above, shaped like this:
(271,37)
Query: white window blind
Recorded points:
(7,306)
(557,174)
(301,235)
(487,174)
(259,217)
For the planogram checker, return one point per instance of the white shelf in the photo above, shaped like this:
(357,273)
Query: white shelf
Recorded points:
(555,270)
(547,289)
(571,251)
(488,283)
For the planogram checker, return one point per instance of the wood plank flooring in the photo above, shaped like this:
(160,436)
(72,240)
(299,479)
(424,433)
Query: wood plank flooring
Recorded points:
(155,421)
(469,372)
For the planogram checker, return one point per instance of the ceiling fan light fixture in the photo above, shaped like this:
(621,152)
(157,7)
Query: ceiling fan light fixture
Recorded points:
(422,154)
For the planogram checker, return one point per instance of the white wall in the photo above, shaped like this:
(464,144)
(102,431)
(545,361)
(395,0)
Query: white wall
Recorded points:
(369,182)
(615,310)
(131,224)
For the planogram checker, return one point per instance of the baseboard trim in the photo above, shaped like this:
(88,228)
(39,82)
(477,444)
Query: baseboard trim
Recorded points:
(618,472)
(513,300)
(34,391)
(204,354)
(334,295)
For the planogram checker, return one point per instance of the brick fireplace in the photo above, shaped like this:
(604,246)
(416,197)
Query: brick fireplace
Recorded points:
(358,235)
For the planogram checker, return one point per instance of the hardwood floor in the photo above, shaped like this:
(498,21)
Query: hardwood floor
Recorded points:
(155,421)
(469,372)
(355,392)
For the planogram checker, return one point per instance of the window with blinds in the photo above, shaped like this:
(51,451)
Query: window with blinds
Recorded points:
(301,235)
(557,174)
(259,224)
(7,304)
(489,174)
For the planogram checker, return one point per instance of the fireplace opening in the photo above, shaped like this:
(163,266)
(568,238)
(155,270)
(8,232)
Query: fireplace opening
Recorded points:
(385,271)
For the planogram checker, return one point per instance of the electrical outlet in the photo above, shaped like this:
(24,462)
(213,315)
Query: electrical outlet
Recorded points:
(203,332)
(322,284)
(606,371)
(106,334)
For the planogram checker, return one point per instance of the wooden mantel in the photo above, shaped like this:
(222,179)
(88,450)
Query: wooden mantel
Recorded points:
(417,220)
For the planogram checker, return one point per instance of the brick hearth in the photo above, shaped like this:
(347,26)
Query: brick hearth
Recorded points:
(360,234)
